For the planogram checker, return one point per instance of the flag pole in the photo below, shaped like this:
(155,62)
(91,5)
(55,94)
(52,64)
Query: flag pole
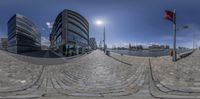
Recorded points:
(104,37)
(174,43)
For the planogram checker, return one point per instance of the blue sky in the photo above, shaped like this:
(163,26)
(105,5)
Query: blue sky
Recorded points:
(127,21)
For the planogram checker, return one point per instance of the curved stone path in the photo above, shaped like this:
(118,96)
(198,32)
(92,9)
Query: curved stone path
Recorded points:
(98,75)
(177,79)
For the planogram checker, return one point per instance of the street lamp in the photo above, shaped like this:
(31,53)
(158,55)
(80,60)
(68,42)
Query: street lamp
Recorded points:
(175,30)
(100,23)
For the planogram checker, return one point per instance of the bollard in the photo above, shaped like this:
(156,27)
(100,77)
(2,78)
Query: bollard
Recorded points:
(108,53)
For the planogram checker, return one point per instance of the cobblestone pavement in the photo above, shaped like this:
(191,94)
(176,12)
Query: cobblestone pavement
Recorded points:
(97,75)
(14,73)
(40,58)
(177,78)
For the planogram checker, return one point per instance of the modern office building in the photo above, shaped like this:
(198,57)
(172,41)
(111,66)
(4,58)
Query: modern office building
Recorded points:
(23,35)
(3,43)
(93,43)
(70,33)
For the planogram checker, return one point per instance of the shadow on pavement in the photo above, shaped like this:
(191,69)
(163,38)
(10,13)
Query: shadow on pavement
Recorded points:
(42,57)
(41,54)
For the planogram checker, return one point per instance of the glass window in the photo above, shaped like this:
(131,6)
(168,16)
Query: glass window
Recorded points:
(58,40)
(77,30)
(76,38)
(78,23)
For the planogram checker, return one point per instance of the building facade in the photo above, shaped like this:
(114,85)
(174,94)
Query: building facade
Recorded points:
(135,47)
(70,33)
(3,43)
(161,47)
(93,43)
(23,36)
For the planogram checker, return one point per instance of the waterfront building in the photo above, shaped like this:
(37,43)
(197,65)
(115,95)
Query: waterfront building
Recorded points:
(100,45)
(70,33)
(154,47)
(167,47)
(3,43)
(136,47)
(93,43)
(159,47)
(23,36)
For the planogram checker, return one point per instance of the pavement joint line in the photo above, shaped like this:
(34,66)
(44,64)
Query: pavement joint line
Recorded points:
(168,95)
(173,90)
(153,89)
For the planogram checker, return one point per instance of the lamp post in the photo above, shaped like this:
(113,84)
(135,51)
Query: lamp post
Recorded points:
(104,38)
(174,37)
(100,23)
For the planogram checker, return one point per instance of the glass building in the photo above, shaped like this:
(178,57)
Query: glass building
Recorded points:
(70,33)
(3,43)
(23,35)
(93,43)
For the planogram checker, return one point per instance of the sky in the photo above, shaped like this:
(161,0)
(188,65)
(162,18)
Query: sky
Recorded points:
(127,21)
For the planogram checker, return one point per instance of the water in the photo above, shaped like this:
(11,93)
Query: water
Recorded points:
(147,53)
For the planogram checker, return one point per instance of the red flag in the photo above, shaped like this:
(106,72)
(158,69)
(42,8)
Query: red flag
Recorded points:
(169,15)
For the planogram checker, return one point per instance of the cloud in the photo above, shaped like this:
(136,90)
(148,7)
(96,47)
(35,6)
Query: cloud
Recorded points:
(45,41)
(49,25)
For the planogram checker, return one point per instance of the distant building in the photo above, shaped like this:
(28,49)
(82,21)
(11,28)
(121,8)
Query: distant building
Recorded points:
(23,35)
(100,45)
(154,47)
(167,47)
(93,43)
(3,43)
(159,47)
(114,47)
(182,48)
(162,47)
(137,47)
(70,33)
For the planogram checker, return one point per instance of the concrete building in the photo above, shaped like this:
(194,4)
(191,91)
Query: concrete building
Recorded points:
(70,33)
(159,47)
(23,35)
(3,43)
(135,47)
(100,45)
(93,43)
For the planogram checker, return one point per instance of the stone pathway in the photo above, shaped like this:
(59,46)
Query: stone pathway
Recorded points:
(99,76)
(15,73)
(176,80)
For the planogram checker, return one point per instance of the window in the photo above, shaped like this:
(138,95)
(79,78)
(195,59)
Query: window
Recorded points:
(58,40)
(77,30)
